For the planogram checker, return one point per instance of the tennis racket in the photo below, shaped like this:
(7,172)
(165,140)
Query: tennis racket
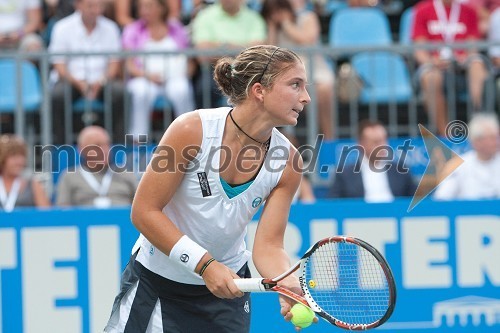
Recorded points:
(344,280)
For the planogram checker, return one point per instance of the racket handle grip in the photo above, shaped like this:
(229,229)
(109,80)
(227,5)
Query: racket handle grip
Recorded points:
(250,285)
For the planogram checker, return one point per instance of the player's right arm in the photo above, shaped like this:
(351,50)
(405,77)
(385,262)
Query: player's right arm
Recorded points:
(157,187)
(161,180)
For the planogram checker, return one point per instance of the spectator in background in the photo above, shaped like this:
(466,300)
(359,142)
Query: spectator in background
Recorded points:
(375,177)
(478,177)
(94,183)
(19,24)
(87,30)
(153,75)
(494,51)
(126,11)
(446,22)
(227,24)
(290,24)
(17,190)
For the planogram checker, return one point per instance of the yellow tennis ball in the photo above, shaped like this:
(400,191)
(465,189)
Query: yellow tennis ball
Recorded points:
(302,315)
(312,283)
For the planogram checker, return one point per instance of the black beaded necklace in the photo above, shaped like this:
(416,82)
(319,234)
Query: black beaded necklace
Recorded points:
(264,144)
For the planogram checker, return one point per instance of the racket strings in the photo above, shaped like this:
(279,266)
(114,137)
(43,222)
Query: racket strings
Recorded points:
(348,283)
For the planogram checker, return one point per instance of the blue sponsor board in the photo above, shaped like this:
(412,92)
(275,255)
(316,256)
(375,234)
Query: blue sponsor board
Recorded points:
(410,152)
(60,269)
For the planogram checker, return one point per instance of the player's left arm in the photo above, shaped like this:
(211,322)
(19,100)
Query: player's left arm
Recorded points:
(269,255)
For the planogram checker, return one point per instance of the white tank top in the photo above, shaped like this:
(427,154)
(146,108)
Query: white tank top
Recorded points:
(201,209)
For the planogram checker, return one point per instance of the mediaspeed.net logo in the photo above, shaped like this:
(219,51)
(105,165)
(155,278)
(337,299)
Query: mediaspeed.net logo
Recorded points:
(439,155)
(136,159)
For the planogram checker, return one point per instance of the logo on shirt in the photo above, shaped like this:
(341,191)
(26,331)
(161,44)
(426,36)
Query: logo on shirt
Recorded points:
(256,202)
(246,307)
(441,28)
(204,185)
(184,258)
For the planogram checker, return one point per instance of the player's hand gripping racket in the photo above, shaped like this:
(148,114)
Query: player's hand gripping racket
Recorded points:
(345,281)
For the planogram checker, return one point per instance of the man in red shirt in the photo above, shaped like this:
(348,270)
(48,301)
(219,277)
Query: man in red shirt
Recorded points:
(446,22)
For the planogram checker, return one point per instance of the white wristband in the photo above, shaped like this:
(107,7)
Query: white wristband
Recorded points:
(187,253)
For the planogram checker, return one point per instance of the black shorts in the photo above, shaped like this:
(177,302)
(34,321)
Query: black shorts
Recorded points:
(150,303)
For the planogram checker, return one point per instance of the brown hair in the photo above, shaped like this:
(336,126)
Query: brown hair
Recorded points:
(165,8)
(11,145)
(271,6)
(261,63)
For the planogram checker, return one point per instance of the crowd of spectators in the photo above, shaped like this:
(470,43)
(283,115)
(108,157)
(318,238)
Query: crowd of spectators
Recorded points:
(93,26)
(82,26)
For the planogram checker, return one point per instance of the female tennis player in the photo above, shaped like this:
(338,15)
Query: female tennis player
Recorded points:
(213,170)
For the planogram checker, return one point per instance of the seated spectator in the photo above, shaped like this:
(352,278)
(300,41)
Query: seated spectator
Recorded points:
(494,51)
(94,183)
(153,75)
(478,177)
(446,22)
(19,23)
(126,11)
(373,178)
(289,25)
(17,190)
(88,76)
(227,24)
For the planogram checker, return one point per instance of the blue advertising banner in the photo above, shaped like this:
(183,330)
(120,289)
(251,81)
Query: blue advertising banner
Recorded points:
(60,269)
(411,151)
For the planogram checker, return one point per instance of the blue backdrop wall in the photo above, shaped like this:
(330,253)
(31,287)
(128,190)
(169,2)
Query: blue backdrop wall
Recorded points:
(60,269)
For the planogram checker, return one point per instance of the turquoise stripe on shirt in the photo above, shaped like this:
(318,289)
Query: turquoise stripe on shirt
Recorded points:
(232,191)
